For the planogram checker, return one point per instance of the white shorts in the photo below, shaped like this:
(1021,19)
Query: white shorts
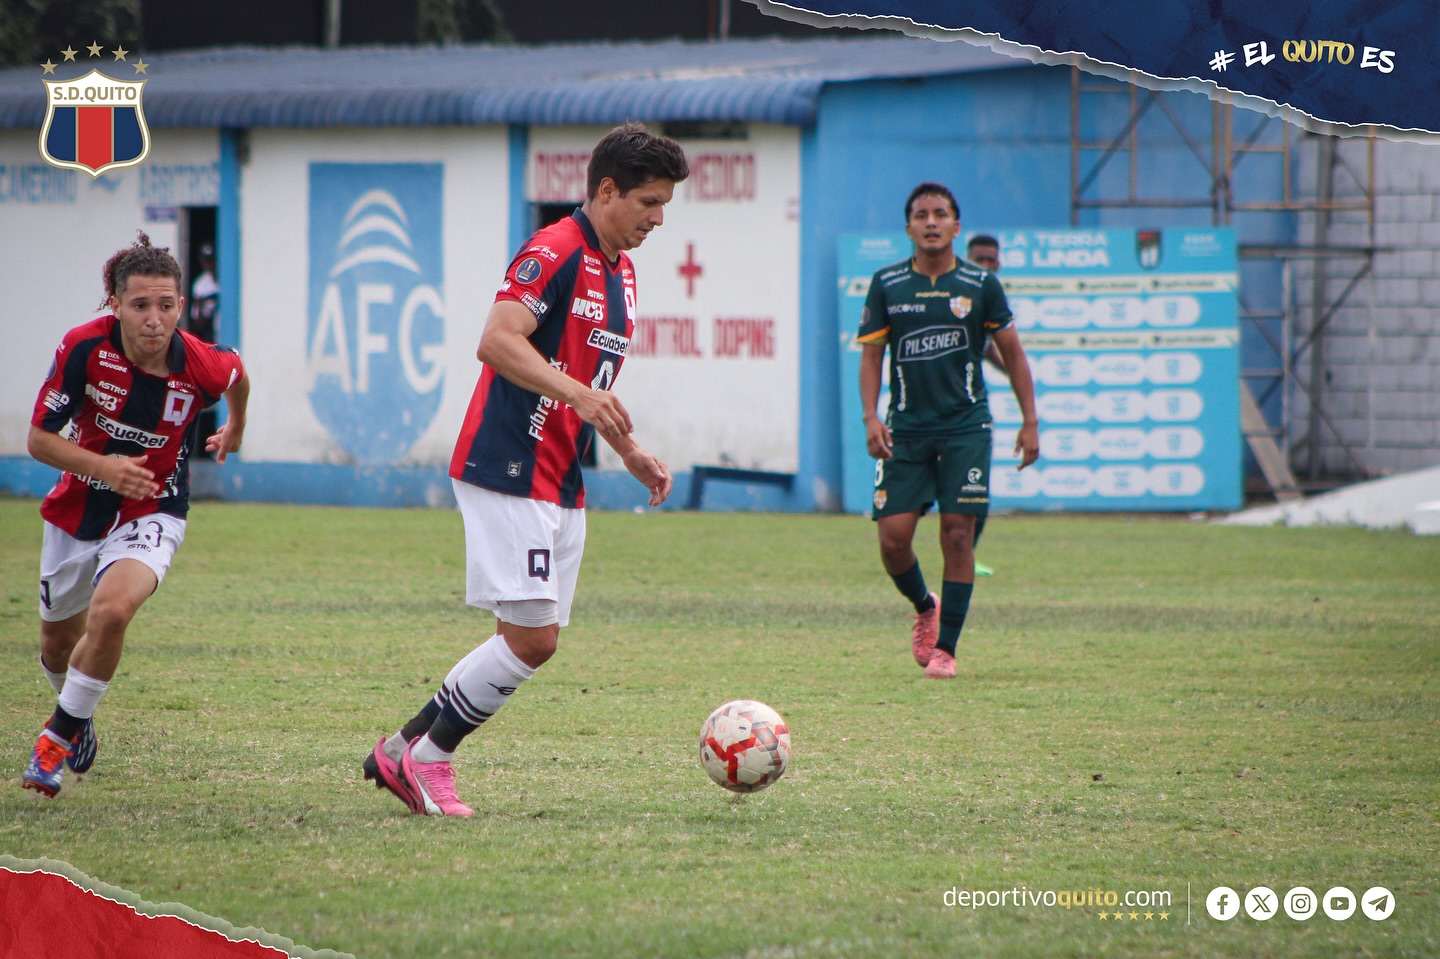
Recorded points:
(518,548)
(70,567)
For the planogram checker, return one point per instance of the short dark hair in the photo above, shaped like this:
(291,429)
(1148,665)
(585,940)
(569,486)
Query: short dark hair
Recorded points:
(631,156)
(982,239)
(138,259)
(931,189)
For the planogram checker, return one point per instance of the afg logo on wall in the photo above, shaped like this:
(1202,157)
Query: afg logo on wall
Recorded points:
(376,319)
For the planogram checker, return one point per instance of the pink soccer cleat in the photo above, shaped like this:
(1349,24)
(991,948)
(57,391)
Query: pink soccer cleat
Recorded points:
(434,785)
(941,666)
(387,775)
(924,633)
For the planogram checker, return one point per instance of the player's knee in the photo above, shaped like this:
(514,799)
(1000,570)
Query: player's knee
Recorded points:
(531,628)
(110,614)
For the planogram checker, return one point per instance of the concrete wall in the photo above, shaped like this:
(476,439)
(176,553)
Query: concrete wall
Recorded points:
(1379,388)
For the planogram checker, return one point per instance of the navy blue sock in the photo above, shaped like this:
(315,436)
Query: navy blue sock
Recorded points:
(64,725)
(954,605)
(911,584)
(422,722)
(450,727)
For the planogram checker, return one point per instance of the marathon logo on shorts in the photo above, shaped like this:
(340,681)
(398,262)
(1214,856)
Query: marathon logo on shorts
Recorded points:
(609,342)
(932,343)
(103,400)
(540,564)
(129,434)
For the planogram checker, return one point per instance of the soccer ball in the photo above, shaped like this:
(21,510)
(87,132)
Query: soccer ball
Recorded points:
(745,746)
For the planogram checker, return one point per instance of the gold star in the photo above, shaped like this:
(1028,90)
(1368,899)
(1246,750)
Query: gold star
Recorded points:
(1164,915)
(1149,916)
(69,53)
(48,68)
(94,48)
(140,66)
(1134,915)
(1104,915)
(120,53)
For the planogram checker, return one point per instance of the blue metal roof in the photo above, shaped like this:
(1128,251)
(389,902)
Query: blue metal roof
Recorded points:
(772,80)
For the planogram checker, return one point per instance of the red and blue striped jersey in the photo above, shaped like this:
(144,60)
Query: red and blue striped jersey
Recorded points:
(110,406)
(521,443)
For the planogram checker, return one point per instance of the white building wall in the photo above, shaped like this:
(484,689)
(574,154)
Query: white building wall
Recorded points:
(297,378)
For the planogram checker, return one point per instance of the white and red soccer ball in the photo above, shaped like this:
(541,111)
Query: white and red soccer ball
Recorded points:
(745,746)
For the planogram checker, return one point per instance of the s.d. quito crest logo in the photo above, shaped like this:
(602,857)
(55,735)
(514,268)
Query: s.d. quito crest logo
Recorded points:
(94,122)
(376,316)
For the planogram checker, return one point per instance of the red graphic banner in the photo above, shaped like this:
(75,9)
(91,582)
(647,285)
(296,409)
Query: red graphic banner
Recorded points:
(42,914)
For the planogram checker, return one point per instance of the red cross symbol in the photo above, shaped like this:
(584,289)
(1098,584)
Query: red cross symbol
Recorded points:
(690,270)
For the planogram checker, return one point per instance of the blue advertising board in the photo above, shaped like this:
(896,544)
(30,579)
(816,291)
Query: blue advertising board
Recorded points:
(1132,337)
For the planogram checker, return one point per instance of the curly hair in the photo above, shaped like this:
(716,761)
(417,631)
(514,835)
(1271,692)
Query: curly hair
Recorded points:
(138,259)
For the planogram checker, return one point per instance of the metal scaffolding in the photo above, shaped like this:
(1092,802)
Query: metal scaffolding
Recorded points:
(1283,408)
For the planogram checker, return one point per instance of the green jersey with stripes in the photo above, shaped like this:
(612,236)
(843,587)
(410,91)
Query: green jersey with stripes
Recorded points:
(936,330)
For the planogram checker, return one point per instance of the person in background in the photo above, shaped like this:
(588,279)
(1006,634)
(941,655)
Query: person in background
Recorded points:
(935,313)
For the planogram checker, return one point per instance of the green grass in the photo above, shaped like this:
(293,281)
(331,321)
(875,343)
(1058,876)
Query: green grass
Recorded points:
(1143,704)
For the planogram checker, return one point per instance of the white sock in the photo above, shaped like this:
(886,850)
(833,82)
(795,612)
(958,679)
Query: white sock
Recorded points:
(491,674)
(56,680)
(479,685)
(395,746)
(424,751)
(81,694)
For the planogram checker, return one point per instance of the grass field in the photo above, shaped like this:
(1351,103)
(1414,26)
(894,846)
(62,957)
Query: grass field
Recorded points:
(1144,705)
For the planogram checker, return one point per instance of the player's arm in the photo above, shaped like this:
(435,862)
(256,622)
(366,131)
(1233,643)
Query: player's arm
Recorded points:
(992,353)
(126,475)
(644,466)
(872,368)
(227,438)
(1027,441)
(505,347)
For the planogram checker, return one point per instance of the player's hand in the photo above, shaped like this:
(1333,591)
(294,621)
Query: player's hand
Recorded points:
(877,439)
(604,411)
(651,472)
(1027,445)
(128,476)
(225,440)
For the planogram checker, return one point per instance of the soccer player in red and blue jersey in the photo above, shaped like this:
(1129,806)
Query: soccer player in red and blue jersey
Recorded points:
(118,416)
(552,347)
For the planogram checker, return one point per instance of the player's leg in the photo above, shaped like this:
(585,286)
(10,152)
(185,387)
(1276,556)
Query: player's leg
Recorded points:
(131,564)
(522,562)
(904,488)
(964,496)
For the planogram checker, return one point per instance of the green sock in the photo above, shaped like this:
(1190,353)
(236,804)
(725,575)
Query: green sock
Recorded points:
(911,584)
(954,605)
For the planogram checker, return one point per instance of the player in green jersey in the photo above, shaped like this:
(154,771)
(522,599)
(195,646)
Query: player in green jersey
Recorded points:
(935,312)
